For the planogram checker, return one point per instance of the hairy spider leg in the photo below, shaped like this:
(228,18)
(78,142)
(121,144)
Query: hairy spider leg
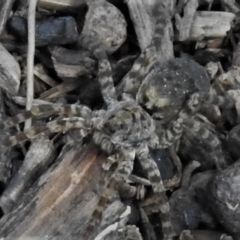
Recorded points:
(151,169)
(60,125)
(233,96)
(171,133)
(24,136)
(104,141)
(175,128)
(42,110)
(105,77)
(125,159)
(141,67)
(227,101)
(104,68)
(161,15)
(214,142)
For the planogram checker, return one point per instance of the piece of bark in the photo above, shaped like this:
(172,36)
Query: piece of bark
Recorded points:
(10,72)
(5,9)
(61,4)
(59,90)
(58,31)
(22,101)
(41,73)
(38,158)
(65,71)
(71,56)
(140,13)
(60,203)
(71,63)
(224,198)
(104,27)
(203,234)
(230,6)
(5,162)
(210,24)
(183,24)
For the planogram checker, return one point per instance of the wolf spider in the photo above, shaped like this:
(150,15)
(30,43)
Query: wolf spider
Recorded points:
(166,95)
(124,131)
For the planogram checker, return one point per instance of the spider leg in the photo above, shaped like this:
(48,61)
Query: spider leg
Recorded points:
(161,14)
(105,77)
(103,141)
(23,136)
(150,168)
(132,233)
(65,124)
(193,105)
(175,128)
(210,137)
(42,110)
(60,125)
(125,161)
(103,117)
(226,101)
(235,96)
(141,67)
(171,134)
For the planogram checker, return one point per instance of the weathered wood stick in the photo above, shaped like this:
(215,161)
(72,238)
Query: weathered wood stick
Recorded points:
(60,203)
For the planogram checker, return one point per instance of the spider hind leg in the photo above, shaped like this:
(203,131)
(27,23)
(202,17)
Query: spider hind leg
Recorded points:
(125,159)
(151,169)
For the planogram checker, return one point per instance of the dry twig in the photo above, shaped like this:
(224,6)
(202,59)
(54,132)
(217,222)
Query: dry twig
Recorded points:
(30,56)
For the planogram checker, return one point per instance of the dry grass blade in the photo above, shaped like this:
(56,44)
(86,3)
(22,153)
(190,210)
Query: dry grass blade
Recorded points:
(30,56)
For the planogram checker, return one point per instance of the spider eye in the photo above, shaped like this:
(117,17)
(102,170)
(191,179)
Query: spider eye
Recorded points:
(157,117)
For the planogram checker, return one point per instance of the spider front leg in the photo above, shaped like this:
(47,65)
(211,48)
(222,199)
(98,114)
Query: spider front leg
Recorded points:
(151,169)
(105,77)
(48,109)
(60,125)
(141,67)
(125,159)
